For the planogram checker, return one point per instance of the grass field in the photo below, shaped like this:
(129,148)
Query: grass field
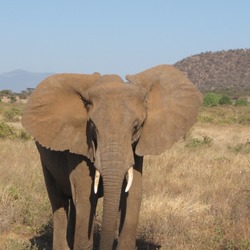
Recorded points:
(196,195)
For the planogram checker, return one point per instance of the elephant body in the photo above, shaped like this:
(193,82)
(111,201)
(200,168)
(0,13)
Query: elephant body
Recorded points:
(92,132)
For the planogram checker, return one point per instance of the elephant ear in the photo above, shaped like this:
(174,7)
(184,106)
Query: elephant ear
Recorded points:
(55,114)
(172,106)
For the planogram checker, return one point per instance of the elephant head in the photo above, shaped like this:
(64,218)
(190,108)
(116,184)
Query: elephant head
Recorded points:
(109,121)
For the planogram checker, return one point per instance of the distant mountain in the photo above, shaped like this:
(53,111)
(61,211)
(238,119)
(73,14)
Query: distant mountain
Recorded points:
(18,80)
(223,71)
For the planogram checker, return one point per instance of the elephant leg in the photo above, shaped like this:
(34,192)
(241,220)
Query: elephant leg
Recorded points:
(130,208)
(71,224)
(60,205)
(81,178)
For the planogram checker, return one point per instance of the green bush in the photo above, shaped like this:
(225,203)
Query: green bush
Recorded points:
(6,131)
(225,100)
(241,102)
(211,100)
(12,115)
(24,135)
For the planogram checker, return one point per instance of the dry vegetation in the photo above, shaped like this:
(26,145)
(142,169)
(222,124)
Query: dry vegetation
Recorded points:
(219,71)
(203,200)
(196,195)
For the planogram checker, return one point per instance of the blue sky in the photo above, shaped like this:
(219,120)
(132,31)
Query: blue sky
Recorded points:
(122,37)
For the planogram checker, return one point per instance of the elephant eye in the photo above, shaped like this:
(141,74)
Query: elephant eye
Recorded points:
(137,125)
(87,103)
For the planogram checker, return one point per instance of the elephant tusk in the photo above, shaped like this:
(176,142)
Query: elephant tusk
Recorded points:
(96,182)
(130,179)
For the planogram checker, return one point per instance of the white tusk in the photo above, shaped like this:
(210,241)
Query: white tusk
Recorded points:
(130,179)
(96,182)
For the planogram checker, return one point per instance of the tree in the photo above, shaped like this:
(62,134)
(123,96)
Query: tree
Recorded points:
(6,92)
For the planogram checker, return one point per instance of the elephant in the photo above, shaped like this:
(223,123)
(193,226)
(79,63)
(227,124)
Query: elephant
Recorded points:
(92,132)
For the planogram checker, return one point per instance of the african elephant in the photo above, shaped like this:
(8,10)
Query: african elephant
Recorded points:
(92,132)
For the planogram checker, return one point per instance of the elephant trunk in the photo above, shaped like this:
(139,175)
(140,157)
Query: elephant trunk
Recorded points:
(112,193)
(114,166)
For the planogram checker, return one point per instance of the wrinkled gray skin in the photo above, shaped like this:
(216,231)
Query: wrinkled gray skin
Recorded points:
(84,123)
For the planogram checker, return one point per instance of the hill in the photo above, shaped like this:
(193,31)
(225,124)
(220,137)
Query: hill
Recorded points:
(18,80)
(223,71)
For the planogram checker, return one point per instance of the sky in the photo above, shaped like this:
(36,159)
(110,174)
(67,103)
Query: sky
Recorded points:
(121,37)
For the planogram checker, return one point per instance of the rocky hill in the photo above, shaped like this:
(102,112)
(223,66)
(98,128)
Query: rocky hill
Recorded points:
(223,71)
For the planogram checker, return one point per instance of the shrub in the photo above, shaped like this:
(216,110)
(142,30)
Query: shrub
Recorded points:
(225,100)
(241,148)
(244,119)
(205,118)
(13,98)
(12,115)
(211,99)
(195,142)
(24,135)
(6,131)
(23,95)
(241,102)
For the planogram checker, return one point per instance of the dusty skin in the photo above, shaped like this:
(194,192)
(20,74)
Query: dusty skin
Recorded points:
(91,132)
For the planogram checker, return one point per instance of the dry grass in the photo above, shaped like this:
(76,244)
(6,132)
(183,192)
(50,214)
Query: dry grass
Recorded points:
(196,195)
(24,205)
(201,198)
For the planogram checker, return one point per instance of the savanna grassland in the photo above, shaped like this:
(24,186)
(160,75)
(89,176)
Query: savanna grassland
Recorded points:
(196,195)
